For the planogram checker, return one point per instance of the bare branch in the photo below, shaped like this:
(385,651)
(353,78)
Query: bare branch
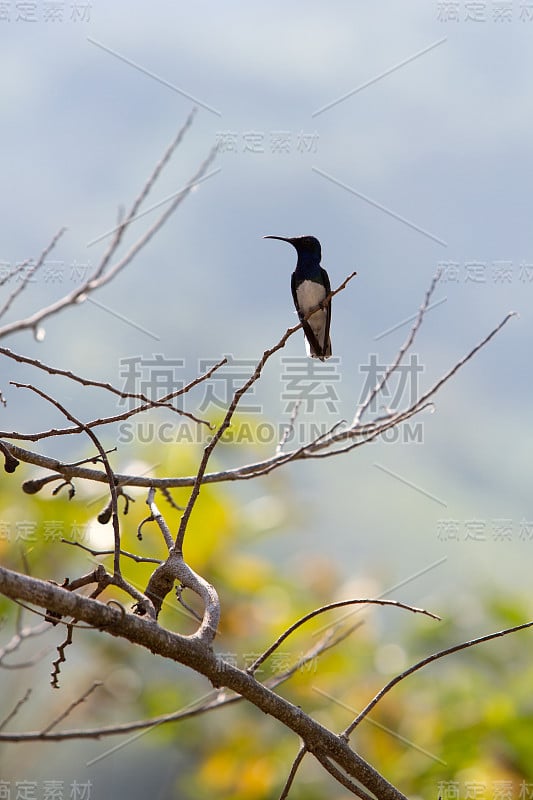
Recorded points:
(16,642)
(157,517)
(350,438)
(109,472)
(133,556)
(18,705)
(121,228)
(11,273)
(193,652)
(30,273)
(424,662)
(341,777)
(221,700)
(292,774)
(163,402)
(401,352)
(71,707)
(231,410)
(102,273)
(176,569)
(56,671)
(339,604)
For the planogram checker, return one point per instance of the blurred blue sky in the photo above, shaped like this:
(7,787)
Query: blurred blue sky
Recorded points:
(435,130)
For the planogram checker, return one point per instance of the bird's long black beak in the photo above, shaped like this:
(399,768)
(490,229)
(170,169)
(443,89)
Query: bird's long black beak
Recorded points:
(281,238)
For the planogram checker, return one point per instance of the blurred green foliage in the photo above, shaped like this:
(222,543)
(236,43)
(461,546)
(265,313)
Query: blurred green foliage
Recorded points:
(461,723)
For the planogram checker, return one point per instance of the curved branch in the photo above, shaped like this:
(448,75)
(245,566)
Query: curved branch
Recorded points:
(339,604)
(176,569)
(103,455)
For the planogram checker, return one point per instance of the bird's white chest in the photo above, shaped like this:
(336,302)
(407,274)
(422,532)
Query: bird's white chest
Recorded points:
(309,294)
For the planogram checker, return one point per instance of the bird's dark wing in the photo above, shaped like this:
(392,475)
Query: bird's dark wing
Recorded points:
(325,278)
(294,295)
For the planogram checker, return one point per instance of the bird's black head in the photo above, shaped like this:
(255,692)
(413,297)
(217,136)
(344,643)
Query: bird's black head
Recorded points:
(305,245)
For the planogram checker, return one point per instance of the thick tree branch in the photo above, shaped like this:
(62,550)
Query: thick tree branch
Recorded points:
(196,654)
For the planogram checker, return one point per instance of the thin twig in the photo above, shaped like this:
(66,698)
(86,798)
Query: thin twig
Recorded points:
(109,472)
(56,668)
(327,642)
(120,229)
(163,402)
(31,272)
(18,705)
(170,500)
(133,556)
(401,352)
(339,604)
(249,471)
(289,428)
(100,277)
(339,776)
(17,640)
(71,707)
(15,271)
(156,516)
(424,662)
(292,774)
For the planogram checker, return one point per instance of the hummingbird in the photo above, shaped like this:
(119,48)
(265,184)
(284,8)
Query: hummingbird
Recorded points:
(310,286)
